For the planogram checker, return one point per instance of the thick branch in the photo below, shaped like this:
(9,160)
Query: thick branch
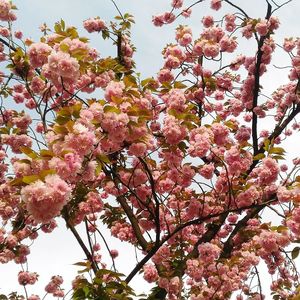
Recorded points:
(276,132)
(256,84)
(129,213)
(152,183)
(7,44)
(228,245)
(141,263)
(134,223)
(211,232)
(82,245)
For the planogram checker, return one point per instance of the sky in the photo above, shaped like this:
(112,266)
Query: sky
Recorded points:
(55,253)
(148,39)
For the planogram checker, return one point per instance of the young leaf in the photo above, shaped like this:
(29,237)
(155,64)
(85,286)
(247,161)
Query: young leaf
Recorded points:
(295,252)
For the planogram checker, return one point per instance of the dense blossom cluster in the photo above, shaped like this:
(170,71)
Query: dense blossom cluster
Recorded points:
(94,24)
(45,200)
(179,165)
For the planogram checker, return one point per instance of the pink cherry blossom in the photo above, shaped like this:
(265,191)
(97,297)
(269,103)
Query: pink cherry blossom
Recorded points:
(45,200)
(94,25)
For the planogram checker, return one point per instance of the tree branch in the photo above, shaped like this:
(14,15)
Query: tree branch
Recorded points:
(134,223)
(228,245)
(82,244)
(256,83)
(152,183)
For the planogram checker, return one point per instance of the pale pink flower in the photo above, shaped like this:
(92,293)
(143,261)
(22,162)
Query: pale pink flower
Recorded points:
(207,171)
(273,23)
(34,297)
(262,27)
(289,44)
(94,25)
(208,21)
(173,131)
(114,253)
(216,4)
(268,172)
(165,75)
(150,273)
(18,34)
(186,12)
(177,3)
(114,90)
(4,32)
(61,64)
(25,278)
(137,149)
(45,200)
(211,49)
(5,8)
(38,54)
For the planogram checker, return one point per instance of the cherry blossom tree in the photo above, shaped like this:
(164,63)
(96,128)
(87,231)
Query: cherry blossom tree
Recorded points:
(180,166)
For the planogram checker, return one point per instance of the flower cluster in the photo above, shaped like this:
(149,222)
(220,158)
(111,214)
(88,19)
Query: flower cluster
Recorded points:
(94,25)
(45,200)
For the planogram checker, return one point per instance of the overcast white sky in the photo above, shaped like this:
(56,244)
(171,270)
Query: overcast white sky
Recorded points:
(55,253)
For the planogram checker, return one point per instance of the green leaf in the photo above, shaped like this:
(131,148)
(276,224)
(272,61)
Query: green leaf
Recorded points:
(277,150)
(266,144)
(80,263)
(72,32)
(127,16)
(25,161)
(157,293)
(60,129)
(64,47)
(182,146)
(134,93)
(30,178)
(16,182)
(86,290)
(173,113)
(105,34)
(46,153)
(230,124)
(116,100)
(190,117)
(76,110)
(167,85)
(57,28)
(295,252)
(98,169)
(63,24)
(129,81)
(259,156)
(45,173)
(146,81)
(102,272)
(179,85)
(278,157)
(28,151)
(109,108)
(83,39)
(281,228)
(4,130)
(61,120)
